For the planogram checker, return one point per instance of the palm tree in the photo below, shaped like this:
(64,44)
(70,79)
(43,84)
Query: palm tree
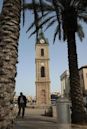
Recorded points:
(9,35)
(68,14)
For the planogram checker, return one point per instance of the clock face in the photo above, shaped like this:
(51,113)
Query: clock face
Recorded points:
(42,41)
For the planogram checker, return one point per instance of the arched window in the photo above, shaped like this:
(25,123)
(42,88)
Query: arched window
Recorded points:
(42,71)
(42,52)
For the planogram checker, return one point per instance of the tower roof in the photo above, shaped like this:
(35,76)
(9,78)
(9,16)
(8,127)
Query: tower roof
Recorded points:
(42,36)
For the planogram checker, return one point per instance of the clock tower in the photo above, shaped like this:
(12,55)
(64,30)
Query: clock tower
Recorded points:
(42,72)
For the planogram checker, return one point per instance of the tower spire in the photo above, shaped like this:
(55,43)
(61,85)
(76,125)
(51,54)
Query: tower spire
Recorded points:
(41,34)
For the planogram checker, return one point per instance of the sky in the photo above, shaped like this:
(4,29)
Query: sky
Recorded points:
(25,80)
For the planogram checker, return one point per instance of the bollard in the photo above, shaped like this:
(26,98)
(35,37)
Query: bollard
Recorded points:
(63,110)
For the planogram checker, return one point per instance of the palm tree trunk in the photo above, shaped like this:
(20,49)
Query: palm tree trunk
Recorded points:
(75,88)
(9,35)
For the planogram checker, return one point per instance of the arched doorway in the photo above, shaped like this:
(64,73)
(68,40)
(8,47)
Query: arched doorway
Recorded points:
(43,96)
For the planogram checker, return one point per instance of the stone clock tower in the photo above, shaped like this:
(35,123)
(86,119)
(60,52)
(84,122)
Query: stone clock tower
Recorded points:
(42,72)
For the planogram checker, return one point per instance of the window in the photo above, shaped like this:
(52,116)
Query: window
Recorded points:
(42,52)
(42,71)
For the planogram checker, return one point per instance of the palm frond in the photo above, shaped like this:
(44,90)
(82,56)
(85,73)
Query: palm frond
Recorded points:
(29,6)
(55,33)
(40,26)
(46,21)
(23,14)
(83,16)
(76,3)
(39,19)
(58,16)
(80,32)
(72,2)
(60,4)
(42,16)
(36,18)
(50,24)
(34,32)
(84,3)
(41,7)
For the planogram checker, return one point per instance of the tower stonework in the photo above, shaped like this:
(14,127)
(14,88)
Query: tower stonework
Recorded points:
(42,73)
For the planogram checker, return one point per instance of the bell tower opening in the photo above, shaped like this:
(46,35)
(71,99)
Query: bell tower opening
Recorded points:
(42,52)
(42,71)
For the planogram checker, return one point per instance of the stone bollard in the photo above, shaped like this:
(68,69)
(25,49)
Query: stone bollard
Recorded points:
(63,110)
(54,111)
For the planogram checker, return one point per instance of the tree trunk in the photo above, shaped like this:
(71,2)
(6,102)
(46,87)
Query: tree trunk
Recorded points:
(9,35)
(75,88)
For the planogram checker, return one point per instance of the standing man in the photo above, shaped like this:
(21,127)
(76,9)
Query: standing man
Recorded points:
(21,104)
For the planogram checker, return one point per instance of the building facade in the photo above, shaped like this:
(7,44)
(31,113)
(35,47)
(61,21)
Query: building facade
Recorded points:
(65,85)
(42,72)
(83,78)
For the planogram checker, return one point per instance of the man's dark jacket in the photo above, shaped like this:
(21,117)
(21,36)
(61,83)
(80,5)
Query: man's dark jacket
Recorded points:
(24,98)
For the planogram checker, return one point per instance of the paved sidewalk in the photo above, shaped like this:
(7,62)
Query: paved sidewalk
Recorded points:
(41,122)
(34,120)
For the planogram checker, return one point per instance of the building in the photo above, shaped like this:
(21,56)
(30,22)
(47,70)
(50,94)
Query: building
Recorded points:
(65,83)
(65,86)
(42,72)
(83,78)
